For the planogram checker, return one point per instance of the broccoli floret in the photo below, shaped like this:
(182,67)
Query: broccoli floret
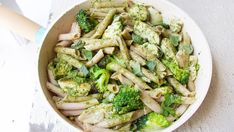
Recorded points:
(137,39)
(85,22)
(128,99)
(138,12)
(102,76)
(151,121)
(166,105)
(182,75)
(60,68)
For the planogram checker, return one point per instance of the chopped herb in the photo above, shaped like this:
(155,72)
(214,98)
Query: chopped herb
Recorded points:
(136,68)
(166,105)
(151,65)
(87,54)
(137,39)
(174,40)
(84,70)
(78,45)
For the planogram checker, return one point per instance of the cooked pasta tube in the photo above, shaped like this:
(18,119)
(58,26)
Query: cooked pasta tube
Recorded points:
(93,117)
(129,42)
(98,14)
(71,112)
(156,93)
(143,52)
(58,91)
(123,48)
(187,100)
(179,87)
(191,85)
(75,28)
(77,106)
(82,98)
(120,119)
(109,50)
(70,60)
(64,43)
(124,80)
(106,10)
(89,34)
(67,36)
(109,4)
(137,114)
(129,75)
(150,75)
(57,99)
(94,114)
(69,51)
(51,77)
(95,44)
(115,75)
(126,35)
(137,58)
(150,102)
(125,128)
(103,25)
(95,59)
(92,128)
(113,88)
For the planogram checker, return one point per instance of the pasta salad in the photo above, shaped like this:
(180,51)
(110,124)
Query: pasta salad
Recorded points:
(123,67)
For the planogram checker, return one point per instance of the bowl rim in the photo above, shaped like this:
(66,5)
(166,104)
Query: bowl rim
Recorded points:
(177,123)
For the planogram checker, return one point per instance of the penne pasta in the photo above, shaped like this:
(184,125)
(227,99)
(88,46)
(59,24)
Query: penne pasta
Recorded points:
(64,43)
(129,75)
(82,98)
(69,51)
(149,102)
(126,35)
(109,4)
(156,93)
(129,42)
(95,44)
(58,91)
(150,75)
(109,50)
(124,80)
(113,88)
(99,14)
(95,59)
(71,112)
(77,106)
(137,58)
(187,100)
(89,34)
(92,128)
(106,10)
(179,87)
(123,49)
(103,25)
(51,77)
(108,123)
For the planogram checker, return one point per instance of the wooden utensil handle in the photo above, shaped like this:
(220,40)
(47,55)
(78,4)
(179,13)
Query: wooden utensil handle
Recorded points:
(18,23)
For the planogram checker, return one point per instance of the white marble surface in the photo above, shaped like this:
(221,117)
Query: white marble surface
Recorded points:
(216,19)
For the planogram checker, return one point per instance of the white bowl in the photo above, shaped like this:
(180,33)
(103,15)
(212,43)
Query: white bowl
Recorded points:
(201,49)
